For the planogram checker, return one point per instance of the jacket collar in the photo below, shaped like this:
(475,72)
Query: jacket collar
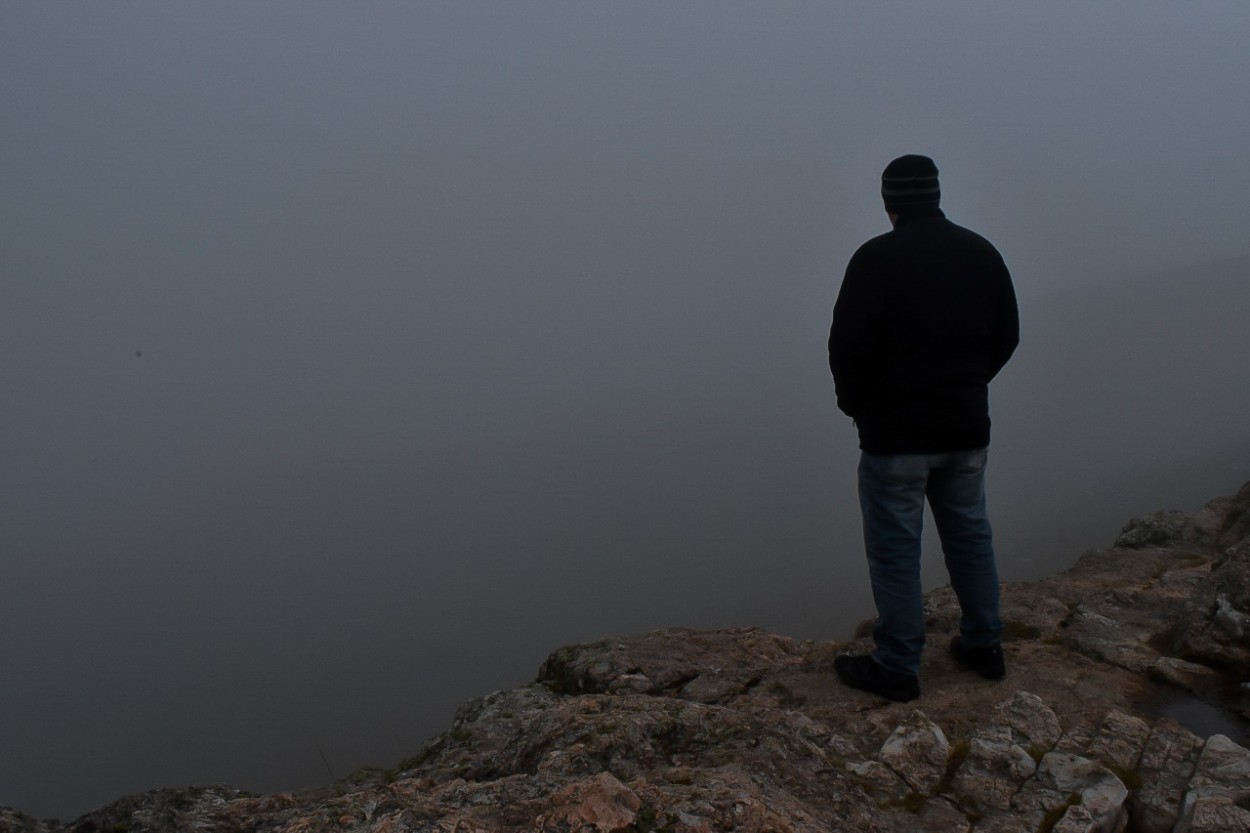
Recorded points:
(905,217)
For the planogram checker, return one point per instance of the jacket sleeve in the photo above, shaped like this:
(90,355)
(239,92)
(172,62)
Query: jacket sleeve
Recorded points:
(1006,323)
(853,337)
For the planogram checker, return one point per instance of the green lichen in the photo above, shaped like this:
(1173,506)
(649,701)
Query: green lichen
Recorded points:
(372,775)
(954,760)
(1037,752)
(911,803)
(1130,778)
(1054,814)
(1018,631)
(787,698)
(650,820)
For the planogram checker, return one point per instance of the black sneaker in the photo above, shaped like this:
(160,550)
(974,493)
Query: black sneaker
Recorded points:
(988,662)
(864,673)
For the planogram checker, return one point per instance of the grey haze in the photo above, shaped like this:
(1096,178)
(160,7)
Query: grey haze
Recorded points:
(353,356)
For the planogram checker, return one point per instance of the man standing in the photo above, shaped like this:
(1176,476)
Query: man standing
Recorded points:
(925,318)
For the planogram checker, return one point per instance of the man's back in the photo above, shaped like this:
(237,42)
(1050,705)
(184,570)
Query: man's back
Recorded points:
(925,318)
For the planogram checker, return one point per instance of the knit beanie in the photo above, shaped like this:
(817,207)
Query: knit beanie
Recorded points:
(910,182)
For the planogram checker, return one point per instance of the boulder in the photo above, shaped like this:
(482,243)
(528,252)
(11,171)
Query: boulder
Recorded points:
(1218,790)
(917,751)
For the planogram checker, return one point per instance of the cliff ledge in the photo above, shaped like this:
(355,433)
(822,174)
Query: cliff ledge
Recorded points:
(690,731)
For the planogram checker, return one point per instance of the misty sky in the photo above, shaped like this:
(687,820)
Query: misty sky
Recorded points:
(354,356)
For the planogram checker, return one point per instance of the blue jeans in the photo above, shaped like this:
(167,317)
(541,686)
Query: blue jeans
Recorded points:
(892,493)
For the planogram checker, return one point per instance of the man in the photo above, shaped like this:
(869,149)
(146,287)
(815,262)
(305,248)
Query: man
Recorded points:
(925,318)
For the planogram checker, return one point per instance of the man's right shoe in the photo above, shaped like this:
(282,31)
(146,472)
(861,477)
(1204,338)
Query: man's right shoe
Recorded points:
(988,662)
(864,673)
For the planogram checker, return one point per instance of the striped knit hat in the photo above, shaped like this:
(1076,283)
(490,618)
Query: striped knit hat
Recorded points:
(910,182)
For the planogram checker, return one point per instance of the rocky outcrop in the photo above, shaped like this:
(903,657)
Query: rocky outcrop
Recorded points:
(691,731)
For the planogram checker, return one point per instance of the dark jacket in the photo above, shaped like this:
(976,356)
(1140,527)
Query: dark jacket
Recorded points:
(925,318)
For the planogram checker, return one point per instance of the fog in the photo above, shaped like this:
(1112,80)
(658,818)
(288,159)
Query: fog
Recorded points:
(356,356)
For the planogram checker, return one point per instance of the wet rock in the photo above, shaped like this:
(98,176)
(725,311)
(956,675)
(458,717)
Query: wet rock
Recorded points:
(1189,676)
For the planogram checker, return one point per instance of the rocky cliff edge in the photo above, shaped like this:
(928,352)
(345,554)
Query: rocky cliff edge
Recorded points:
(688,731)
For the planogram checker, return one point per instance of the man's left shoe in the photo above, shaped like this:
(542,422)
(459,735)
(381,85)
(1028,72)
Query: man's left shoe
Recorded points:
(864,673)
(988,662)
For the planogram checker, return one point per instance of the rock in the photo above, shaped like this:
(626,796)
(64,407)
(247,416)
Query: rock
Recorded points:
(1223,769)
(631,683)
(715,688)
(1005,824)
(1219,787)
(1119,743)
(13,821)
(993,771)
(1229,619)
(1199,816)
(1213,623)
(1226,518)
(158,811)
(1166,764)
(1189,676)
(1063,779)
(1234,518)
(917,751)
(880,782)
(940,816)
(600,802)
(1103,638)
(1031,720)
(670,659)
(1158,529)
(1222,522)
(1077,819)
